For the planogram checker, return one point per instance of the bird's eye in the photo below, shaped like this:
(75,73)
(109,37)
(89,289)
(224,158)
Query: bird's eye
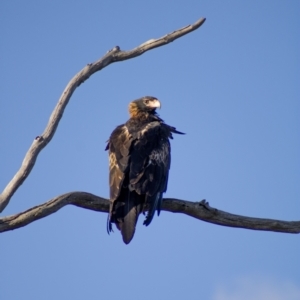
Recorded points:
(147,101)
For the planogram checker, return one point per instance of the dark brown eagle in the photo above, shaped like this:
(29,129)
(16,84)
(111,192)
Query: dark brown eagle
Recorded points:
(139,163)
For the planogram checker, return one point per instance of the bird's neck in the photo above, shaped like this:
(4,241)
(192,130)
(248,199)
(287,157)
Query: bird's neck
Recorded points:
(137,121)
(142,115)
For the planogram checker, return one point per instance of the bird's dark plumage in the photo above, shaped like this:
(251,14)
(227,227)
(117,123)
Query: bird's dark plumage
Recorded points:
(139,163)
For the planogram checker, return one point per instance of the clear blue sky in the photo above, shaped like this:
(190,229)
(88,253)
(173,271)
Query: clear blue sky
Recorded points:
(233,86)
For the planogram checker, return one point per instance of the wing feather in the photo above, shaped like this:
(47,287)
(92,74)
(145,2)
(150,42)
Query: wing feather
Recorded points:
(150,164)
(119,155)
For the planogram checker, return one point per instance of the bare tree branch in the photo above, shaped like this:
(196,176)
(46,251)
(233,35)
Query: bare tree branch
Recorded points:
(114,55)
(199,210)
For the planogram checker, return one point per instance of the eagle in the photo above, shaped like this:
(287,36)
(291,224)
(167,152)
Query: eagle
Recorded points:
(139,163)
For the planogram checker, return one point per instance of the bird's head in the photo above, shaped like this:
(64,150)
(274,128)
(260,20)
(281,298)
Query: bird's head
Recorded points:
(145,104)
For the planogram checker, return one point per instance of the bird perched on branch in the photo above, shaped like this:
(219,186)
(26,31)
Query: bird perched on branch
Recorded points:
(139,163)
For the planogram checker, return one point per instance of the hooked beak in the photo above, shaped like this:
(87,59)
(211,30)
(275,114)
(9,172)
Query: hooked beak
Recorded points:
(155,104)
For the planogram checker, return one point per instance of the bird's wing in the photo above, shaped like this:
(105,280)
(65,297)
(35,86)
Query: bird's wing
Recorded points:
(119,145)
(150,164)
(125,206)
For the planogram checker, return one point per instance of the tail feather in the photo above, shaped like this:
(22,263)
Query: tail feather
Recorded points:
(125,213)
(131,214)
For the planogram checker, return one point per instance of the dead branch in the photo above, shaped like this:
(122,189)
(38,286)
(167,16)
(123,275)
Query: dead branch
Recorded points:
(114,55)
(199,210)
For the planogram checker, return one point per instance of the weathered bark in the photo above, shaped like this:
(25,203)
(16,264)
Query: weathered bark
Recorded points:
(199,210)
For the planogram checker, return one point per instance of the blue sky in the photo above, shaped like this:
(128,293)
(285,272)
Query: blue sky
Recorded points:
(232,86)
